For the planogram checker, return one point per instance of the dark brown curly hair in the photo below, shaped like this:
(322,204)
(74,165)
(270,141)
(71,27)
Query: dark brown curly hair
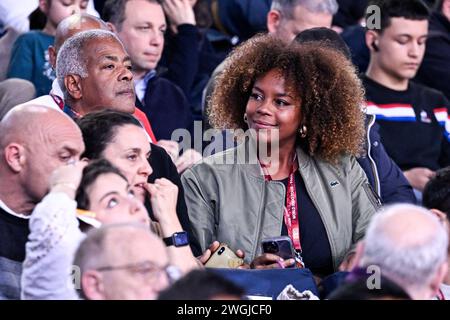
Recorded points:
(331,92)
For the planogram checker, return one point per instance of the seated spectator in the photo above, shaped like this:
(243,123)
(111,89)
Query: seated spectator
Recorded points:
(92,84)
(349,13)
(434,70)
(436,197)
(30,57)
(408,245)
(141,25)
(284,20)
(107,196)
(300,92)
(413,119)
(123,262)
(384,175)
(189,55)
(14,92)
(91,62)
(34,141)
(105,192)
(67,28)
(202,285)
(119,138)
(358,290)
(7,40)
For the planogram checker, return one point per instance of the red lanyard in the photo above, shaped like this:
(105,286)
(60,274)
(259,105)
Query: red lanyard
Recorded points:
(290,210)
(58,101)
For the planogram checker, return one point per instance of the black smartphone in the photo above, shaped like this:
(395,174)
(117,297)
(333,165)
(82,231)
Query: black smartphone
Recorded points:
(281,246)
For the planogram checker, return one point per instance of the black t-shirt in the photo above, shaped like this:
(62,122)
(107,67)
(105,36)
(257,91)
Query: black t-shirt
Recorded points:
(412,124)
(13,237)
(316,250)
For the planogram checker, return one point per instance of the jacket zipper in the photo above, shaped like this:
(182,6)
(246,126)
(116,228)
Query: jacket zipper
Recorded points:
(372,162)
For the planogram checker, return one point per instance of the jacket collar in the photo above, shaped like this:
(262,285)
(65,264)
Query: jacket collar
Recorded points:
(246,156)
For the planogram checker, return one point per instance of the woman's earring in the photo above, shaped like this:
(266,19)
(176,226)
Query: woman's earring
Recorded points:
(245,117)
(303,131)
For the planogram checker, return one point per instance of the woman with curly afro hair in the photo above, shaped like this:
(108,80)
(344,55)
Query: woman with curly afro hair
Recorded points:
(303,104)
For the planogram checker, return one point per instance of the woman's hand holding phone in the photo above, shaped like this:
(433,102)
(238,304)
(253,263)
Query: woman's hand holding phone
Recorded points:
(271,261)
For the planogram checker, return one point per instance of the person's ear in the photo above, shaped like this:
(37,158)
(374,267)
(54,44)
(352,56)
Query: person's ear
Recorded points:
(438,213)
(437,280)
(15,157)
(92,285)
(43,6)
(72,82)
(372,40)
(273,21)
(111,27)
(52,56)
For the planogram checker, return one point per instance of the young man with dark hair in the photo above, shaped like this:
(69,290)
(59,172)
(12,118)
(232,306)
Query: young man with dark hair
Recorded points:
(413,119)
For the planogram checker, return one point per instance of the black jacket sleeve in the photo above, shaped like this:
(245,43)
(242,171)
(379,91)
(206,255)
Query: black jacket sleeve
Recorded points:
(181,57)
(163,167)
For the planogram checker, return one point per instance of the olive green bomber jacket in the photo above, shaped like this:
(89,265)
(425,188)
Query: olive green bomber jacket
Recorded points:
(232,203)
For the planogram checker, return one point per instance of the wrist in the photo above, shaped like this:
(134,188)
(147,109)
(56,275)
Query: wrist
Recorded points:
(69,189)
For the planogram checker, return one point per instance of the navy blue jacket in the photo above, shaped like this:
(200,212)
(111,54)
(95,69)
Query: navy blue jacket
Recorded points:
(384,175)
(243,18)
(435,69)
(166,108)
(180,57)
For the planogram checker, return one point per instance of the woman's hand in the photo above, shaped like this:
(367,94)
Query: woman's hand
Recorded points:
(163,198)
(213,247)
(67,178)
(271,261)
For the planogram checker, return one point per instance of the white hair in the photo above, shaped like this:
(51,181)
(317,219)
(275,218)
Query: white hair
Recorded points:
(413,265)
(317,6)
(71,58)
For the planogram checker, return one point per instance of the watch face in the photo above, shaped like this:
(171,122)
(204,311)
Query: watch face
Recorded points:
(180,239)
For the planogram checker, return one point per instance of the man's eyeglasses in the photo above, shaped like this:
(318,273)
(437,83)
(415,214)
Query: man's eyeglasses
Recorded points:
(147,269)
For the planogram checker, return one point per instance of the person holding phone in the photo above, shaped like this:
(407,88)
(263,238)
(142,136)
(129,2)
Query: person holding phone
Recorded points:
(302,102)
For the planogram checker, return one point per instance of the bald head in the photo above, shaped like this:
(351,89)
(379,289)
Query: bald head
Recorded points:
(26,123)
(34,141)
(122,261)
(70,26)
(409,244)
(409,226)
(74,24)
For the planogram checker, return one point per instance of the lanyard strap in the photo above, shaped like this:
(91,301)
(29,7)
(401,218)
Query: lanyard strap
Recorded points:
(58,101)
(290,210)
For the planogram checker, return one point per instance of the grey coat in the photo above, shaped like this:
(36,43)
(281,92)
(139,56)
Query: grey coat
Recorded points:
(232,203)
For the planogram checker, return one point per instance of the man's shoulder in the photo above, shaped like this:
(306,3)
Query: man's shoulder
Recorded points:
(424,90)
(35,36)
(160,80)
(160,88)
(45,100)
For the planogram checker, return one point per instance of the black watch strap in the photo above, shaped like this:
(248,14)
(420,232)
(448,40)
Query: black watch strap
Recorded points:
(178,239)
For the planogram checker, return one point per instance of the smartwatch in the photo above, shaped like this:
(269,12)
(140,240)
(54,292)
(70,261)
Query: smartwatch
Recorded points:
(178,239)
